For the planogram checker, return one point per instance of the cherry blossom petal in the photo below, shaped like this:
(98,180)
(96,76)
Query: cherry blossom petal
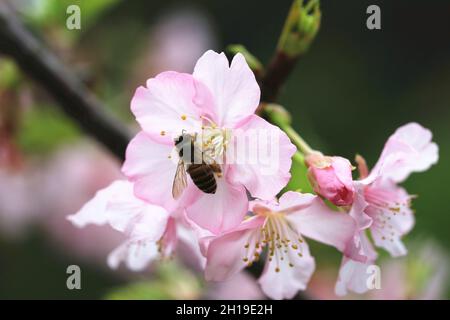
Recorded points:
(204,236)
(391,214)
(222,210)
(95,210)
(408,150)
(169,240)
(353,274)
(151,166)
(190,247)
(172,102)
(234,88)
(261,158)
(292,201)
(319,222)
(137,255)
(352,277)
(363,221)
(392,242)
(226,254)
(136,218)
(353,249)
(281,281)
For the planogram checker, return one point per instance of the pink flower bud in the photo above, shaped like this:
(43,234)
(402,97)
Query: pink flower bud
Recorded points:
(331,178)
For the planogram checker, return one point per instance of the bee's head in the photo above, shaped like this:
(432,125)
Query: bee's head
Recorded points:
(184,137)
(178,140)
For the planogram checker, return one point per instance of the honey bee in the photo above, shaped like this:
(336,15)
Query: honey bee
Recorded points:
(201,172)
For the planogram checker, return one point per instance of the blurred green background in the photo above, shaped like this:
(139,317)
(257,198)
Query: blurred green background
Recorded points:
(347,95)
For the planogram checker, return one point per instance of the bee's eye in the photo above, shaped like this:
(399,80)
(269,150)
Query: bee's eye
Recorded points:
(179,140)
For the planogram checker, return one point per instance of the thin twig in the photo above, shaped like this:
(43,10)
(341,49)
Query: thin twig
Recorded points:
(276,75)
(73,97)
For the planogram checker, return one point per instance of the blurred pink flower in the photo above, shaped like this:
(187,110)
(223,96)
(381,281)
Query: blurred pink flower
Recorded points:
(213,102)
(43,191)
(70,178)
(331,178)
(422,275)
(16,213)
(178,39)
(280,226)
(381,205)
(150,230)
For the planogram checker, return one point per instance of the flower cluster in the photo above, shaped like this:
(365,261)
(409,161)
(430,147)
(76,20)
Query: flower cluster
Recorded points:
(224,207)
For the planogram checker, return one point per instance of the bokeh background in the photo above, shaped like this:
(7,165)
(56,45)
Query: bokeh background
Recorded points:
(347,95)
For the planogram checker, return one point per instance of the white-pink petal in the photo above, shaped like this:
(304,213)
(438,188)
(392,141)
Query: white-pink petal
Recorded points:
(234,88)
(189,247)
(353,274)
(226,253)
(353,277)
(95,210)
(281,281)
(260,157)
(172,102)
(221,211)
(137,255)
(151,166)
(142,223)
(408,150)
(320,223)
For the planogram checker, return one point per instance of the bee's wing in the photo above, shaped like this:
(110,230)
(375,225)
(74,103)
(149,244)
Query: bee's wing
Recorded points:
(179,181)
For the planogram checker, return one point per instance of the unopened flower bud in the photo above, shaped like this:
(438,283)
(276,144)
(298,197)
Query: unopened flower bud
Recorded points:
(301,27)
(331,178)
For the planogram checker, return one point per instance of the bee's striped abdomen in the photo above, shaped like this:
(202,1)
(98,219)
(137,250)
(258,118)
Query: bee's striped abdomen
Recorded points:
(203,177)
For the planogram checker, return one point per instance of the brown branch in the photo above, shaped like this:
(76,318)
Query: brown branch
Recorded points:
(276,75)
(300,28)
(73,97)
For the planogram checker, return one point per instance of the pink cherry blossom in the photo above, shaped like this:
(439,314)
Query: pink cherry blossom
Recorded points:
(408,150)
(151,230)
(382,206)
(217,102)
(331,178)
(279,227)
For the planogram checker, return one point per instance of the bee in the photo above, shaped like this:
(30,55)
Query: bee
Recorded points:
(201,172)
